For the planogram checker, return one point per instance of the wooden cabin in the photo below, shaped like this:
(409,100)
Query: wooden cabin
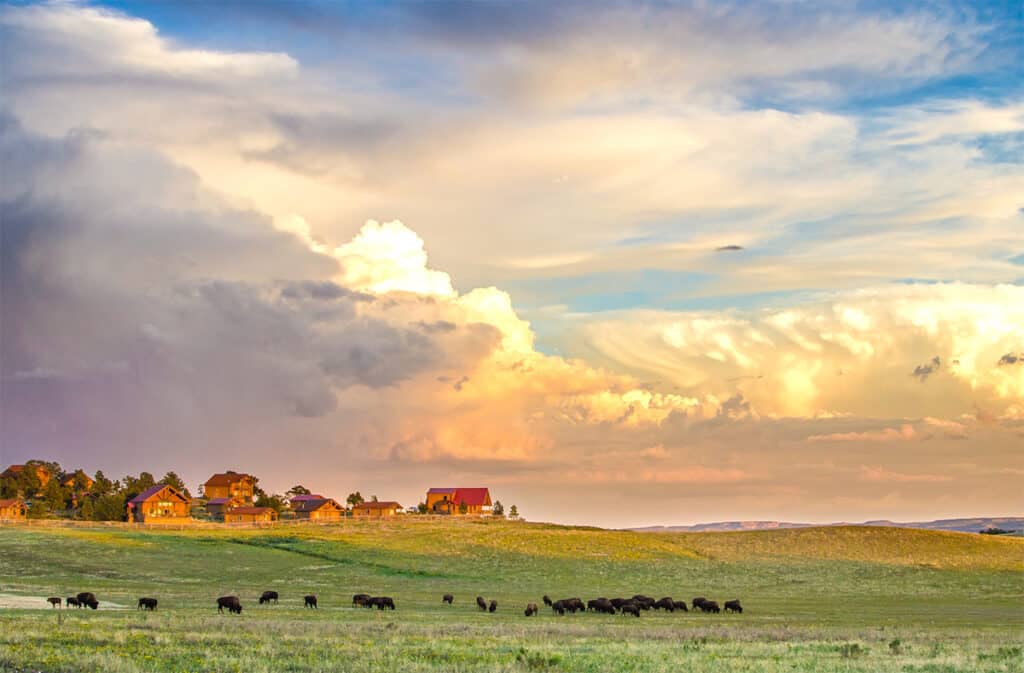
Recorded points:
(160,504)
(384,508)
(317,509)
(13,509)
(450,500)
(250,515)
(216,507)
(78,478)
(15,471)
(235,486)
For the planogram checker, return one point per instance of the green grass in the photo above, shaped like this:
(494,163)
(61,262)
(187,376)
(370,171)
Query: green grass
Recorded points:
(836,599)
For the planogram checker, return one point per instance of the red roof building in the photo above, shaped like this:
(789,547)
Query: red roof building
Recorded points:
(454,500)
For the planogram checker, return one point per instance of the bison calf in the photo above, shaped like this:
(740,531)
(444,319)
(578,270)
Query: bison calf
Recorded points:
(147,604)
(309,601)
(54,601)
(447,598)
(630,608)
(71,600)
(547,600)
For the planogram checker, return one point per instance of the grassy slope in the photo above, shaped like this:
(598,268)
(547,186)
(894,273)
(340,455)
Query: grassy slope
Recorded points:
(958,597)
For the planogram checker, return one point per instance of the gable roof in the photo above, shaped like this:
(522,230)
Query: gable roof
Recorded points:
(155,490)
(308,505)
(471,496)
(382,504)
(226,478)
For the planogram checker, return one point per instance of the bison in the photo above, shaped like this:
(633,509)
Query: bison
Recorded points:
(665,603)
(645,602)
(309,601)
(734,606)
(531,609)
(88,599)
(492,606)
(382,602)
(547,600)
(71,600)
(630,608)
(618,602)
(602,605)
(575,605)
(147,604)
(232,603)
(447,598)
(697,602)
(361,599)
(710,606)
(481,603)
(268,596)
(680,605)
(54,601)
(558,607)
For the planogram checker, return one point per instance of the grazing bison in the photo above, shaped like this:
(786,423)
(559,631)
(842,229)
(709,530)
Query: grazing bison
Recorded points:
(697,602)
(309,601)
(147,604)
(232,603)
(680,605)
(645,602)
(665,603)
(630,608)
(547,600)
(88,600)
(602,605)
(382,602)
(447,598)
(734,606)
(710,606)
(361,599)
(618,602)
(481,603)
(54,601)
(575,605)
(71,600)
(531,609)
(268,596)
(493,606)
(558,607)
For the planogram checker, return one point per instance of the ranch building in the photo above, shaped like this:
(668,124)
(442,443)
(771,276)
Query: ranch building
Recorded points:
(318,509)
(385,508)
(13,509)
(160,504)
(250,515)
(235,486)
(451,500)
(15,471)
(76,479)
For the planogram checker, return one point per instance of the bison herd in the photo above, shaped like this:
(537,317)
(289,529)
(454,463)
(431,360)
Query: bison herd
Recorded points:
(609,606)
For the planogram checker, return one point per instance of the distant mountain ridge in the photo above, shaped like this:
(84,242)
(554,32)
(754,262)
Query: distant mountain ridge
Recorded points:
(975,525)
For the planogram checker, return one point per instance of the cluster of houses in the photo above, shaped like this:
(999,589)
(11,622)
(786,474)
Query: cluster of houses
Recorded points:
(231,497)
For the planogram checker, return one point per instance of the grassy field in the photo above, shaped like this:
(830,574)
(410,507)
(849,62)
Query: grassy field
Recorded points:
(836,599)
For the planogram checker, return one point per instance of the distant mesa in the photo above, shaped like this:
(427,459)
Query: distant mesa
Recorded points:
(728,248)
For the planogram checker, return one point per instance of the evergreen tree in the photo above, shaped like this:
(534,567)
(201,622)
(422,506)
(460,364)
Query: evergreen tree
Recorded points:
(513,512)
(498,509)
(172,479)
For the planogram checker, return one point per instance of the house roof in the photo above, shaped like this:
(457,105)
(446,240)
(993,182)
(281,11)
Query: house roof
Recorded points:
(154,490)
(10,502)
(249,510)
(383,504)
(226,478)
(470,496)
(309,496)
(313,505)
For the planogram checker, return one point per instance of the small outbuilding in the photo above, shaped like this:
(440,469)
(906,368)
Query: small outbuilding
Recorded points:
(13,509)
(318,509)
(250,515)
(383,508)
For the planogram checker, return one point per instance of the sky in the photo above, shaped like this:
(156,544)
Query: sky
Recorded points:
(622,263)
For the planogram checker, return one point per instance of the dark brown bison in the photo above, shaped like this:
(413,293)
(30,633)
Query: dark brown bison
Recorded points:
(602,605)
(382,602)
(665,603)
(232,603)
(734,606)
(531,609)
(645,602)
(558,607)
(268,596)
(492,606)
(447,598)
(547,600)
(54,601)
(680,605)
(71,600)
(575,605)
(88,600)
(361,599)
(710,606)
(481,603)
(697,602)
(147,604)
(309,601)
(630,608)
(617,602)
